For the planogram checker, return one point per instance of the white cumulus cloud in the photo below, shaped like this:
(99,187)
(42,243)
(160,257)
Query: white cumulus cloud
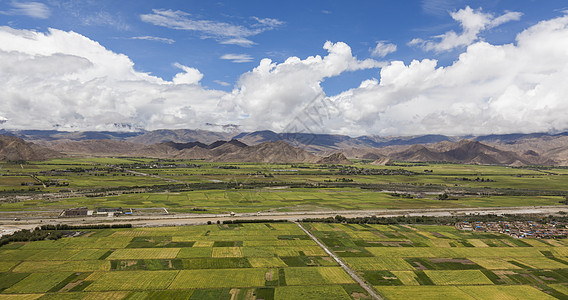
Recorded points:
(272,93)
(473,22)
(64,80)
(490,89)
(383,49)
(189,75)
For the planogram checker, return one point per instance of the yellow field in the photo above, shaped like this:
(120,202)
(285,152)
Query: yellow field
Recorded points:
(493,263)
(504,292)
(144,253)
(227,252)
(265,262)
(378,263)
(406,277)
(457,277)
(133,280)
(423,292)
(248,277)
(541,263)
(59,266)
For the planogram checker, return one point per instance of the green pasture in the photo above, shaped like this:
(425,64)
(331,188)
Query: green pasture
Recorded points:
(291,199)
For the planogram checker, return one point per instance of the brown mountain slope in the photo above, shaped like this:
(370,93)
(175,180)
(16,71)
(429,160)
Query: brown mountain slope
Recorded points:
(383,161)
(469,152)
(180,136)
(96,147)
(550,147)
(335,159)
(13,148)
(268,152)
(418,153)
(194,153)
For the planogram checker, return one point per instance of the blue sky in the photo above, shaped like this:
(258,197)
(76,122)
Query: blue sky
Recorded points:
(220,42)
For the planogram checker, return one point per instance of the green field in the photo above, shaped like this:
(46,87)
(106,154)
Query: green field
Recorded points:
(278,261)
(192,262)
(206,187)
(407,262)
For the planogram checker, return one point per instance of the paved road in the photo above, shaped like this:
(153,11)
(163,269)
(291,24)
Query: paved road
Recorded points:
(175,219)
(345,267)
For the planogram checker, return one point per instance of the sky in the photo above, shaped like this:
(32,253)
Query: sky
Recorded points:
(341,67)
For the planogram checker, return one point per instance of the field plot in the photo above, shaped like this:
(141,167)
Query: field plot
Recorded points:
(60,266)
(144,253)
(236,261)
(38,283)
(247,277)
(457,277)
(433,262)
(133,280)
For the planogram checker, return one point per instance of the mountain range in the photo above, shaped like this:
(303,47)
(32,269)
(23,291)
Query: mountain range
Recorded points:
(268,146)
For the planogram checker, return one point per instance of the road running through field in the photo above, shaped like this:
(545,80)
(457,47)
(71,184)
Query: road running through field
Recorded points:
(343,265)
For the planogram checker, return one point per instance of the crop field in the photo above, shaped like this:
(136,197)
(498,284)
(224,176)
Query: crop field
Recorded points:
(236,261)
(411,261)
(207,187)
(279,261)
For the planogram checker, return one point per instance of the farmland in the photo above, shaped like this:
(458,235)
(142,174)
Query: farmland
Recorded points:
(268,261)
(410,261)
(279,261)
(201,187)
(275,260)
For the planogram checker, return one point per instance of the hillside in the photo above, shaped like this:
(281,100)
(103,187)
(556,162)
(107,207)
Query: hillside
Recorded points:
(469,152)
(268,152)
(13,148)
(334,159)
(179,136)
(96,147)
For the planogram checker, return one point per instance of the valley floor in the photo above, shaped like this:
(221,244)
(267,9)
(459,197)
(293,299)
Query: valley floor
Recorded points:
(281,261)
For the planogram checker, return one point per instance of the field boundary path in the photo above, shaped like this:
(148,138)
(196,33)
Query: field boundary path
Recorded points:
(343,265)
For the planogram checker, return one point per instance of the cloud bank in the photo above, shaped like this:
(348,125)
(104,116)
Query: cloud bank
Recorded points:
(489,89)
(64,80)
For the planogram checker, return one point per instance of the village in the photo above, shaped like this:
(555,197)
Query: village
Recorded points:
(519,229)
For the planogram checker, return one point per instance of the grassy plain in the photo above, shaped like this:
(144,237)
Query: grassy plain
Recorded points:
(206,187)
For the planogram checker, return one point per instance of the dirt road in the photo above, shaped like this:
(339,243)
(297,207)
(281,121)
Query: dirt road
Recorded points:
(343,265)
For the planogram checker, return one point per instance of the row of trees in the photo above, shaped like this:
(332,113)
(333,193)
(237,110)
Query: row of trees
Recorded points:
(438,220)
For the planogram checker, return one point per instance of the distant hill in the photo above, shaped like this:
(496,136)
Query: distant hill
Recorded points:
(13,148)
(383,161)
(179,136)
(336,158)
(268,152)
(549,148)
(468,152)
(95,147)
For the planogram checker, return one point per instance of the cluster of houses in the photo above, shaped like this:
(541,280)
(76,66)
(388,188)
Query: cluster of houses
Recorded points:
(519,229)
(99,212)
